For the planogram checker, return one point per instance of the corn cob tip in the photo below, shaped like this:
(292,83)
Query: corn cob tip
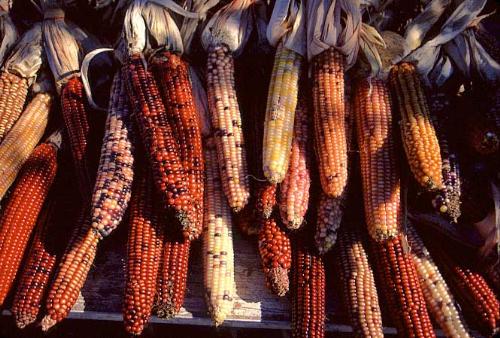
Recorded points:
(165,311)
(295,223)
(25,320)
(47,323)
(219,314)
(382,235)
(278,281)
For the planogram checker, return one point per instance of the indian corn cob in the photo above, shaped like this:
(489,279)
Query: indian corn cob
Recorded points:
(14,90)
(280,113)
(439,299)
(308,292)
(417,130)
(22,139)
(113,185)
(265,199)
(294,190)
(144,250)
(275,254)
(330,212)
(330,120)
(403,293)
(21,212)
(218,254)
(158,138)
(359,289)
(226,121)
(172,76)
(379,166)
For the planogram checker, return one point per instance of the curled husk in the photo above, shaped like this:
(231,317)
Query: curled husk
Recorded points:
(8,32)
(288,24)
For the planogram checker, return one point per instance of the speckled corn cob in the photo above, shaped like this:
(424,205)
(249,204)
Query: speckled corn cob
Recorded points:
(330,212)
(330,121)
(20,214)
(172,75)
(294,190)
(359,289)
(419,137)
(226,121)
(379,166)
(159,142)
(275,254)
(22,139)
(398,278)
(439,299)
(218,254)
(144,250)
(308,292)
(280,113)
(13,92)
(115,174)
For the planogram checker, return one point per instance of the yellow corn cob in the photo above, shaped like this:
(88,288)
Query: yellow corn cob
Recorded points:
(417,131)
(22,139)
(280,113)
(13,92)
(218,256)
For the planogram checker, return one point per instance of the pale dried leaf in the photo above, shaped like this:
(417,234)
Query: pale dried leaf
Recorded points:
(287,24)
(134,28)
(189,26)
(8,35)
(162,29)
(26,57)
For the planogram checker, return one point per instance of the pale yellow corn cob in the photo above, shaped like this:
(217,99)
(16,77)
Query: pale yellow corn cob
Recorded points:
(280,113)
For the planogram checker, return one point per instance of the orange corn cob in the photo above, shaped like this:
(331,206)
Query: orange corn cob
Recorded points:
(330,212)
(276,255)
(21,211)
(144,250)
(226,121)
(294,190)
(159,141)
(308,292)
(13,93)
(378,160)
(417,131)
(172,76)
(330,121)
(265,199)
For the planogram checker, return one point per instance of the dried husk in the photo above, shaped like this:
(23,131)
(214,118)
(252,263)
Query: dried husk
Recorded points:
(230,26)
(134,28)
(8,32)
(288,24)
(162,29)
(43,83)
(370,43)
(189,26)
(26,57)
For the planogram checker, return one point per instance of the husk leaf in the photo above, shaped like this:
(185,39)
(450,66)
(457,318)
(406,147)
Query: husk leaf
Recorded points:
(189,25)
(134,28)
(162,29)
(288,24)
(8,34)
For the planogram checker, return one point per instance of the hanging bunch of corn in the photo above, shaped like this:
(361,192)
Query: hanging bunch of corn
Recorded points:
(21,211)
(26,133)
(224,37)
(286,30)
(8,32)
(18,73)
(332,36)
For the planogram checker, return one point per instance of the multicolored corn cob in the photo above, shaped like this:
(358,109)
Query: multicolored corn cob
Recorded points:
(330,120)
(227,125)
(417,130)
(359,289)
(294,190)
(275,254)
(308,292)
(398,278)
(218,253)
(172,75)
(280,113)
(115,174)
(159,141)
(14,90)
(144,252)
(330,212)
(379,166)
(21,211)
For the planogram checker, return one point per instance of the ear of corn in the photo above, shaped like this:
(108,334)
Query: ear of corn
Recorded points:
(359,289)
(115,174)
(331,127)
(439,300)
(401,287)
(294,190)
(308,292)
(22,139)
(218,254)
(265,199)
(275,254)
(227,125)
(330,212)
(419,137)
(21,212)
(157,135)
(144,252)
(379,167)
(280,113)
(13,92)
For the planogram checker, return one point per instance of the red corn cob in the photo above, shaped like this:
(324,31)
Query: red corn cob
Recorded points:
(265,199)
(21,211)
